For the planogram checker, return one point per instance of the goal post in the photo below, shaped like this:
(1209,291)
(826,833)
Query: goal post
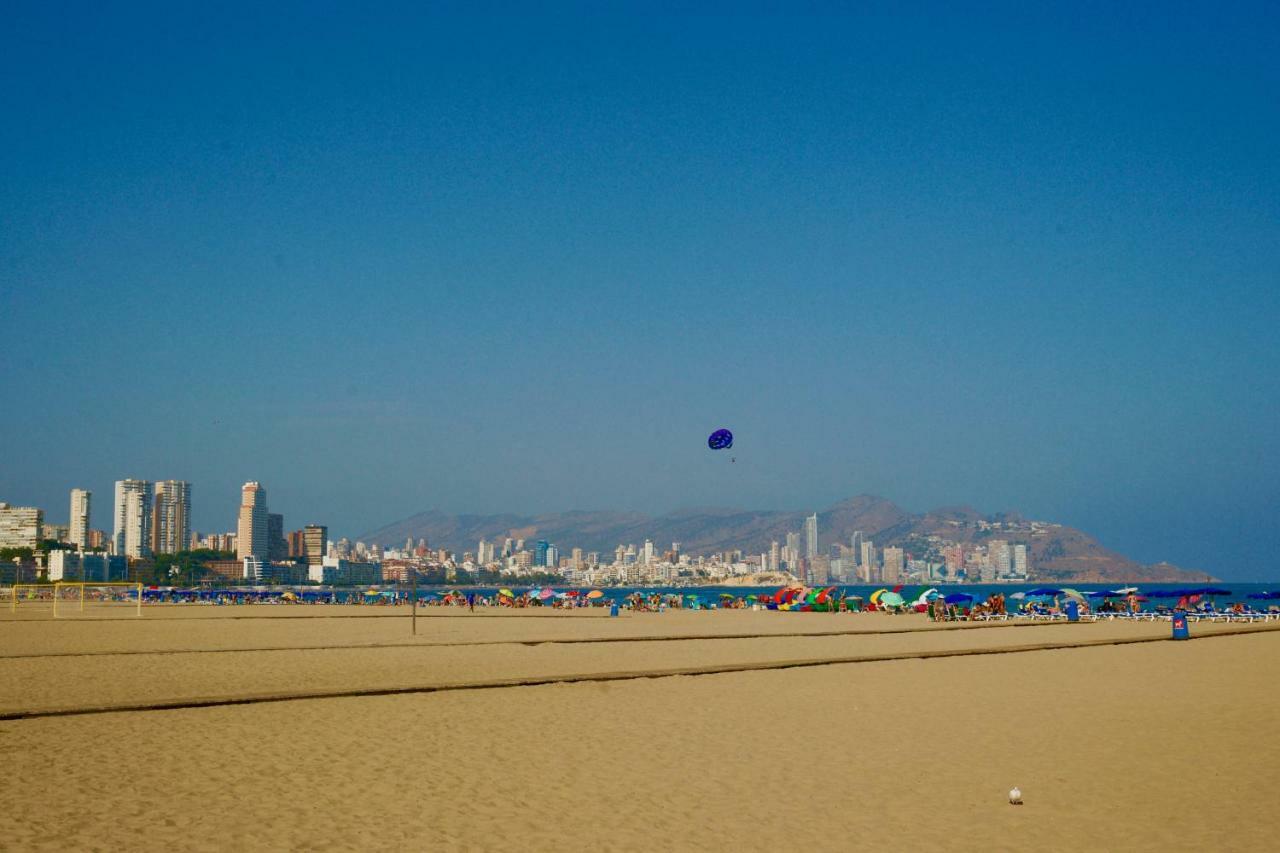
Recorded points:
(106,586)
(30,592)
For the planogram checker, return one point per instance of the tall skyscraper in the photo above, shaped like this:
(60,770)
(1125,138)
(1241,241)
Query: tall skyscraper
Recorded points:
(80,499)
(251,529)
(277,547)
(868,565)
(133,518)
(811,537)
(316,539)
(170,529)
(540,553)
(647,558)
(773,557)
(855,543)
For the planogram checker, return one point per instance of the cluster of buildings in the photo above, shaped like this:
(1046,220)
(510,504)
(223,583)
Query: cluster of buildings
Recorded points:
(153,518)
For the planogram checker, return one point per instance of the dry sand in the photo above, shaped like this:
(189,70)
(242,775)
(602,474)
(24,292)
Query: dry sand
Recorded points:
(1157,745)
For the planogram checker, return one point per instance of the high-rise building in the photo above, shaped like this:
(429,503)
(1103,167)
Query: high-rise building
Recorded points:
(868,564)
(773,557)
(553,557)
(251,529)
(1001,557)
(811,537)
(1020,559)
(793,548)
(540,553)
(892,564)
(79,523)
(855,543)
(133,518)
(297,544)
(647,557)
(20,526)
(315,540)
(277,547)
(170,529)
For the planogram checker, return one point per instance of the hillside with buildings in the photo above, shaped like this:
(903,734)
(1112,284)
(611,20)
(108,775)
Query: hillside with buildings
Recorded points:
(865,535)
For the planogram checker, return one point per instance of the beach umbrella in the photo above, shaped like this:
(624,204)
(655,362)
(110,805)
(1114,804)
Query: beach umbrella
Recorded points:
(875,596)
(928,595)
(546,593)
(892,599)
(1072,593)
(726,595)
(573,593)
(1126,590)
(958,598)
(1212,590)
(504,591)
(1045,590)
(595,593)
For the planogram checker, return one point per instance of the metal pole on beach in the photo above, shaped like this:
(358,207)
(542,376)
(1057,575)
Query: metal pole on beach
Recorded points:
(413,593)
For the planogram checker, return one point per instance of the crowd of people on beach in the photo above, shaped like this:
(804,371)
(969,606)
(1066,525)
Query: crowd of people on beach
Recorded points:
(1047,604)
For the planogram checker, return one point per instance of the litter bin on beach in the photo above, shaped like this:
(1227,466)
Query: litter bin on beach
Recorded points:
(1073,611)
(613,609)
(1180,631)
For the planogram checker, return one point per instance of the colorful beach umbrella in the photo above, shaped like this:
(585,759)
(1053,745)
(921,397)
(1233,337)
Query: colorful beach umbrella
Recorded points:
(508,593)
(958,598)
(892,599)
(546,593)
(595,593)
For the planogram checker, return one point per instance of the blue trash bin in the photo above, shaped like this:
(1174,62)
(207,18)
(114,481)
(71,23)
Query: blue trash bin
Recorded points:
(613,609)
(1180,631)
(1073,611)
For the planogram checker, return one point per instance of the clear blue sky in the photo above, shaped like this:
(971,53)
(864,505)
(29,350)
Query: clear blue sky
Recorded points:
(390,260)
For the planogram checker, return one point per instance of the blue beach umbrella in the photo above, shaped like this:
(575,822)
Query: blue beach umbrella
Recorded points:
(1044,590)
(958,598)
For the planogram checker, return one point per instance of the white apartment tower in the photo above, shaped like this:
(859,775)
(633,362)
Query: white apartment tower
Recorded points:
(251,529)
(20,526)
(80,499)
(811,537)
(868,560)
(132,518)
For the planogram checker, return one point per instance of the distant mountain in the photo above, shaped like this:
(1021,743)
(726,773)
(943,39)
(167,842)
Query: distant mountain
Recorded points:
(1056,552)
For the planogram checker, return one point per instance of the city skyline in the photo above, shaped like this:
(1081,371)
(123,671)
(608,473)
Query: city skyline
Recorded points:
(152,517)
(527,263)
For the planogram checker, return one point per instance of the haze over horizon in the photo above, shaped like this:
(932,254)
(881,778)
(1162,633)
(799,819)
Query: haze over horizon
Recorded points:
(394,260)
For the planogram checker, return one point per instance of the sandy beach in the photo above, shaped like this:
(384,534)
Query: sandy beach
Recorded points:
(681,730)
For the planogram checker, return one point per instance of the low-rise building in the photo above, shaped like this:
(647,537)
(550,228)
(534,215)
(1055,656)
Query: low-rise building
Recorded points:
(78,566)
